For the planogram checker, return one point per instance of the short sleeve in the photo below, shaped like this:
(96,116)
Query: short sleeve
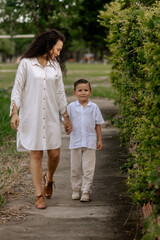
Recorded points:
(99,118)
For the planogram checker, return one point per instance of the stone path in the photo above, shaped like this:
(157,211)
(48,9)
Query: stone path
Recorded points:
(110,215)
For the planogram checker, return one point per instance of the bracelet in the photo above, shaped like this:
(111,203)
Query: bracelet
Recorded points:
(13,113)
(66,116)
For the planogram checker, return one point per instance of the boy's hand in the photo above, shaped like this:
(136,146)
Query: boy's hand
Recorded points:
(99,146)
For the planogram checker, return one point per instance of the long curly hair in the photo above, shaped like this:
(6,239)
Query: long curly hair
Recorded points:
(43,43)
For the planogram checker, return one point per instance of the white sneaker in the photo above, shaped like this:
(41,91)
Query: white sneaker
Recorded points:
(85,197)
(76,194)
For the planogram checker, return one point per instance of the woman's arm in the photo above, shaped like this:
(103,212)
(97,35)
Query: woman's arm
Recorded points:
(18,86)
(62,101)
(16,95)
(99,136)
(67,122)
(60,92)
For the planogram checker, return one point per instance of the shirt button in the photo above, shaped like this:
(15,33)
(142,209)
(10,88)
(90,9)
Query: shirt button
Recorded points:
(43,108)
(43,98)
(44,89)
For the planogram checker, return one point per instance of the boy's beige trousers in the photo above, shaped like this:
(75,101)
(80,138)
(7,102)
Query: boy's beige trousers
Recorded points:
(82,168)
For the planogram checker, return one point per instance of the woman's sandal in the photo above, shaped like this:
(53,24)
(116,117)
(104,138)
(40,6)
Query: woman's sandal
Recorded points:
(40,203)
(48,190)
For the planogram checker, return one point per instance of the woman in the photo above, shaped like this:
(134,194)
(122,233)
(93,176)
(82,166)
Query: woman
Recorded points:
(39,93)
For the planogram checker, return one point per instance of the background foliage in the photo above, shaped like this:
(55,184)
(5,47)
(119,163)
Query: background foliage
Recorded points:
(76,19)
(134,37)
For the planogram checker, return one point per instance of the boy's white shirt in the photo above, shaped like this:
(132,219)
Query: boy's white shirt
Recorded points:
(84,120)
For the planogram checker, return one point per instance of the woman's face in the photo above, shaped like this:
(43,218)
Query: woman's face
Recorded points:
(55,51)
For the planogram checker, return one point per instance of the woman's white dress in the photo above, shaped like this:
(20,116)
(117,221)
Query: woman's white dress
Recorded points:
(39,93)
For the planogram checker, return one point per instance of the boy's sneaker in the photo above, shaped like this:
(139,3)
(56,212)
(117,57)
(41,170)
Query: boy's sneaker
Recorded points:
(76,194)
(85,197)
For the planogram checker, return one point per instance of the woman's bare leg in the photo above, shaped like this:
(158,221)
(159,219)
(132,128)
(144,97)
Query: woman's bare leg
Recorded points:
(52,163)
(36,170)
(53,160)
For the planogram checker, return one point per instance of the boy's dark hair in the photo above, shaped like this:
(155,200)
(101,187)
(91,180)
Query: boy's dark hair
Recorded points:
(81,81)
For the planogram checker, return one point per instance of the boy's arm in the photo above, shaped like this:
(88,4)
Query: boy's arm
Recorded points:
(99,136)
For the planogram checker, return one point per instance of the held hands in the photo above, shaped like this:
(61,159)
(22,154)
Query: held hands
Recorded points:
(15,121)
(67,126)
(99,146)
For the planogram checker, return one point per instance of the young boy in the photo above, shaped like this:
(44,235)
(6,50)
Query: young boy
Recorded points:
(86,120)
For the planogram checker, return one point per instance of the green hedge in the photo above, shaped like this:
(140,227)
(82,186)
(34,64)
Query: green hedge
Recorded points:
(134,41)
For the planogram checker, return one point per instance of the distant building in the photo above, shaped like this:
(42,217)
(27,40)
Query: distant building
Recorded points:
(88,57)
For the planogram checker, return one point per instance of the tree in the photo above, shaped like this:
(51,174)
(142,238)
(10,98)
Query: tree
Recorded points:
(93,33)
(77,19)
(36,16)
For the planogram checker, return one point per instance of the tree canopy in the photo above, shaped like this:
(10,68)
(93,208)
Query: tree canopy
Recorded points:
(77,19)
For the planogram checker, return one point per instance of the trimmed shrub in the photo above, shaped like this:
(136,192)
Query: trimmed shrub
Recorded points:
(134,37)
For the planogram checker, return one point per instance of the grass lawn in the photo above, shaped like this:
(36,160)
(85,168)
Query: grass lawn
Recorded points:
(7,79)
(10,66)
(97,74)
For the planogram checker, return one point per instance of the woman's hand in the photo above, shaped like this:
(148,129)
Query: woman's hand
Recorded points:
(67,126)
(15,121)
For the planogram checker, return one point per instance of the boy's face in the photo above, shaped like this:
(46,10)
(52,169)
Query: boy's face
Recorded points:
(82,92)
